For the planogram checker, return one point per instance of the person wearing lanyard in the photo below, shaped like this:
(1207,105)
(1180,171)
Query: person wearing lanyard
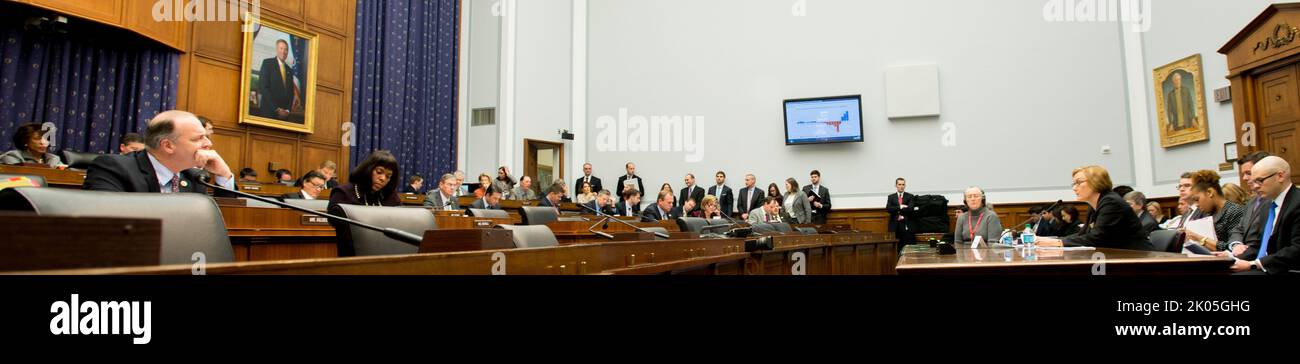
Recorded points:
(979,221)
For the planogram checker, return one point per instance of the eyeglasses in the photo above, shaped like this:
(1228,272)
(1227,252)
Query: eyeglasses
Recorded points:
(1184,186)
(1260,180)
(1078,182)
(315,186)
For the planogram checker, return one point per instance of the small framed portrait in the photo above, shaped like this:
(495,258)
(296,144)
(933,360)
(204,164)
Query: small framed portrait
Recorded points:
(1180,102)
(278,84)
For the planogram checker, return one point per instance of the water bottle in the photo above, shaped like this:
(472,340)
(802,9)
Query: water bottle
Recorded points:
(1027,237)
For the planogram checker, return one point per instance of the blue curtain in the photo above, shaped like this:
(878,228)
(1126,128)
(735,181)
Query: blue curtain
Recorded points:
(404,83)
(93,83)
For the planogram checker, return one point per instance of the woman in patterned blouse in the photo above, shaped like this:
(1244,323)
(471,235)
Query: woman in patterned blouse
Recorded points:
(1206,188)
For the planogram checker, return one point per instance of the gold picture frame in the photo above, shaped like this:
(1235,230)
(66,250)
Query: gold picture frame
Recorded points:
(286,100)
(1180,105)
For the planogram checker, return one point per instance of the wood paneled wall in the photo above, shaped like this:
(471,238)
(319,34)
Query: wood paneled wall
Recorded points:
(210,80)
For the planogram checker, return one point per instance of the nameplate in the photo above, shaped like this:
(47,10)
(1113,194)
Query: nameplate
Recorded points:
(313,220)
(483,223)
(251,187)
(410,197)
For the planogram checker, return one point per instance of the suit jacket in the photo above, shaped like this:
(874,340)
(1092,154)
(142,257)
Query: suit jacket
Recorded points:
(481,204)
(276,91)
(546,202)
(640,185)
(1247,229)
(1112,224)
(525,194)
(595,184)
(133,173)
(726,199)
(434,199)
(896,210)
(1284,244)
(1149,223)
(819,215)
(621,209)
(607,210)
(409,189)
(695,193)
(1064,229)
(755,199)
(801,210)
(651,214)
(292,196)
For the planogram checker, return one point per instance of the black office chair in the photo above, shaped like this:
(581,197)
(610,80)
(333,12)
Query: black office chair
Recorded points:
(762,228)
(79,160)
(364,242)
(692,224)
(489,213)
(314,205)
(1165,241)
(255,203)
(532,236)
(38,179)
(538,215)
(191,222)
(656,229)
(807,231)
(782,227)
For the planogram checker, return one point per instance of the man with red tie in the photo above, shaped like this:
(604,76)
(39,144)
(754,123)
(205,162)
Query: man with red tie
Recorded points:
(900,207)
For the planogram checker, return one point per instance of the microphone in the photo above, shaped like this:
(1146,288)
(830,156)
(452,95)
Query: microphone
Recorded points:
(734,232)
(402,236)
(607,218)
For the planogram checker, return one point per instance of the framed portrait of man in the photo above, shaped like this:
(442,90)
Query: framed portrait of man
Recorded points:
(1180,102)
(278,87)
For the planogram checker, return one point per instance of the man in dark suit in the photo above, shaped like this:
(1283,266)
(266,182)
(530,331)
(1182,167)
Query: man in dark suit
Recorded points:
(1138,201)
(1248,227)
(414,186)
(588,178)
(723,193)
(899,206)
(631,175)
(630,205)
(443,198)
(174,141)
(602,203)
(691,191)
(554,194)
(749,198)
(491,200)
(279,95)
(819,197)
(310,186)
(1277,250)
(663,209)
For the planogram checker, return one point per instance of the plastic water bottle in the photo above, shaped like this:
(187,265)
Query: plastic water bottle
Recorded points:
(1027,237)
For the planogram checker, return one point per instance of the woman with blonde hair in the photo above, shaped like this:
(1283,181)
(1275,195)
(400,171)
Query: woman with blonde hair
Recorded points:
(1235,193)
(1111,222)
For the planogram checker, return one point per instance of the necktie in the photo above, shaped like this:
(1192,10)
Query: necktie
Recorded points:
(748,191)
(1268,230)
(286,81)
(900,205)
(175,183)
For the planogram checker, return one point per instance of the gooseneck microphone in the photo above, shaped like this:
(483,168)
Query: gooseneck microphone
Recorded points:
(637,228)
(399,235)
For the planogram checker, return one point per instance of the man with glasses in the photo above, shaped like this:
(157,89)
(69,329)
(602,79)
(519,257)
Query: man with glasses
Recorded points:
(1277,250)
(1184,190)
(310,184)
(1246,229)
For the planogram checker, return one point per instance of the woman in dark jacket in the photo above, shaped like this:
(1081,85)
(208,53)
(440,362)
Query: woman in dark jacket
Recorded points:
(370,184)
(1111,221)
